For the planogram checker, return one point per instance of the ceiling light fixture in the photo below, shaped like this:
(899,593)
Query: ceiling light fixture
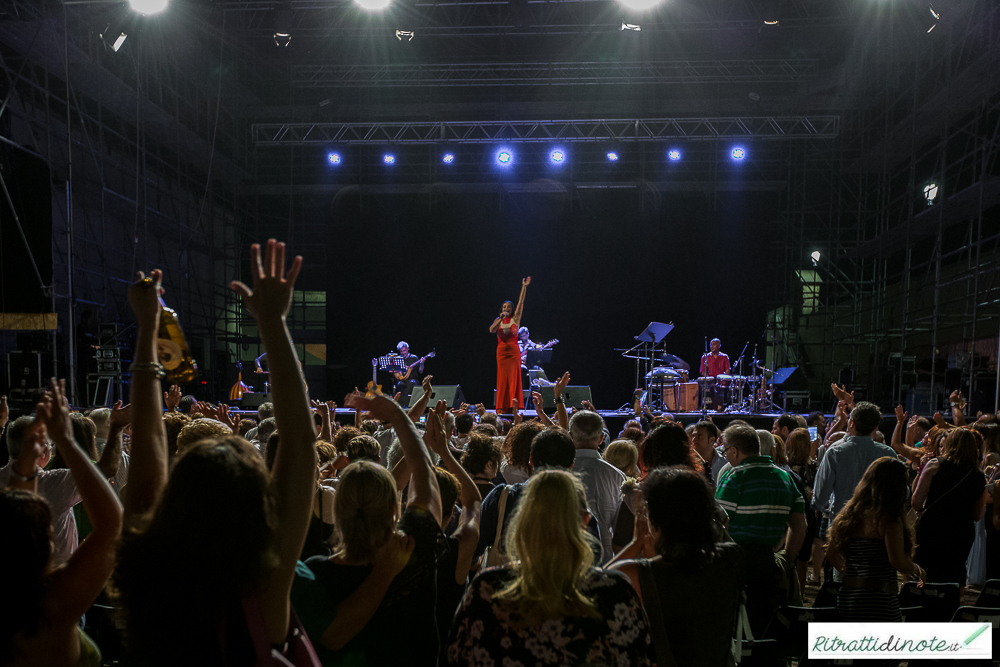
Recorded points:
(408,34)
(631,26)
(148,6)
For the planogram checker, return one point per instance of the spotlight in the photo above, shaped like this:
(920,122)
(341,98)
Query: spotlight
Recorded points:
(738,153)
(373,5)
(107,36)
(613,157)
(557,156)
(771,22)
(408,34)
(674,154)
(815,255)
(282,20)
(148,6)
(333,158)
(930,193)
(389,158)
(640,5)
(448,158)
(631,26)
(504,157)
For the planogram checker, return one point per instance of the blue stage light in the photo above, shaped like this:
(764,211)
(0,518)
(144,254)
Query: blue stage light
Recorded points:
(448,158)
(613,157)
(389,158)
(504,157)
(674,154)
(333,158)
(738,153)
(557,156)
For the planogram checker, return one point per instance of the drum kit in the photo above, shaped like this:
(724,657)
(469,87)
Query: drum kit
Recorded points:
(667,387)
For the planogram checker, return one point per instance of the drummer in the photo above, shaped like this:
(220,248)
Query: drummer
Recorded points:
(714,363)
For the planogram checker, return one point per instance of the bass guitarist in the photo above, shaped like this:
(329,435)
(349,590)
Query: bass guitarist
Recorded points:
(409,378)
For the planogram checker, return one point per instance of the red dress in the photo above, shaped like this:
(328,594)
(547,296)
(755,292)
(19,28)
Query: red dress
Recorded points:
(508,367)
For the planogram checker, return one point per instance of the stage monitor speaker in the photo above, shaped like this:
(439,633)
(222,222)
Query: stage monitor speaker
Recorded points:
(254,399)
(575,395)
(449,393)
(790,378)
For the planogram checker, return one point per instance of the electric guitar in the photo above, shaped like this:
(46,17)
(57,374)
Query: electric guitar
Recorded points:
(524,352)
(409,369)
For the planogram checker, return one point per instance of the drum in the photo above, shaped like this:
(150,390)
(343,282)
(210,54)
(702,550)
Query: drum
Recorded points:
(723,381)
(667,375)
(707,387)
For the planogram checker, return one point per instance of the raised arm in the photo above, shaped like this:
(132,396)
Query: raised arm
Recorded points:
(148,467)
(325,432)
(957,408)
(557,391)
(294,471)
(901,448)
(420,407)
(519,309)
(75,587)
(111,457)
(424,491)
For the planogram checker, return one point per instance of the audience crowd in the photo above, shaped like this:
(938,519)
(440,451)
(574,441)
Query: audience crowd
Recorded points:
(431,536)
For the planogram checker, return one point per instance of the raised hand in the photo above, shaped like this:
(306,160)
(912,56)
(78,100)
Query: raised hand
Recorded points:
(144,297)
(4,411)
(54,411)
(382,408)
(587,405)
(480,409)
(222,414)
(561,384)
(956,397)
(426,384)
(526,281)
(518,417)
(271,296)
(900,414)
(121,415)
(206,409)
(322,408)
(434,436)
(172,398)
(331,406)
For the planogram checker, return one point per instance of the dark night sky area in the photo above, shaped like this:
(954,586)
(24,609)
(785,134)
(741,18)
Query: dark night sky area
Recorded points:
(602,268)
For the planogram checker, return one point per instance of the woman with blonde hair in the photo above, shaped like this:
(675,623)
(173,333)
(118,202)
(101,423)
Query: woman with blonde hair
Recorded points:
(382,574)
(624,455)
(550,606)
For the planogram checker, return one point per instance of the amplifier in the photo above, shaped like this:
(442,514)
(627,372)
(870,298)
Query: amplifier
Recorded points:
(254,400)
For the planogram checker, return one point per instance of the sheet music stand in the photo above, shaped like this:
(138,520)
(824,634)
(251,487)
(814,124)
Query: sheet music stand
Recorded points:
(391,364)
(650,337)
(535,358)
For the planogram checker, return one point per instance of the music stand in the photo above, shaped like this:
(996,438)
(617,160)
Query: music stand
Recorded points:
(535,357)
(648,340)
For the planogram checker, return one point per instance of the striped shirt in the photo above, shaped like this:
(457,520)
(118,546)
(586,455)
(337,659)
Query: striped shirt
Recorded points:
(758,496)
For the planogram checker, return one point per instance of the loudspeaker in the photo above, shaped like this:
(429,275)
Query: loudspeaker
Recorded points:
(449,393)
(30,185)
(574,395)
(790,378)
(255,399)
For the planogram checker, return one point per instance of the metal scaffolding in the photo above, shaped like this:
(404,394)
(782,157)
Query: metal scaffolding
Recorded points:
(778,70)
(905,298)
(533,131)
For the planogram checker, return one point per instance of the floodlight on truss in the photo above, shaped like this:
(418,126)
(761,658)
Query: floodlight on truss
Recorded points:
(640,5)
(373,5)
(408,34)
(631,26)
(148,6)
(930,192)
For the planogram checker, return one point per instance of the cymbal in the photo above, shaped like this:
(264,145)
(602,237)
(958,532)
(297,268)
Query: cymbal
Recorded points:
(675,362)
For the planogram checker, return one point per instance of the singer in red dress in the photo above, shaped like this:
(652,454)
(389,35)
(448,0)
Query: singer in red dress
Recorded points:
(509,354)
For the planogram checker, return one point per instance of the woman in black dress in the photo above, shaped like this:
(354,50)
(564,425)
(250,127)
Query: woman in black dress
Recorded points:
(871,540)
(950,498)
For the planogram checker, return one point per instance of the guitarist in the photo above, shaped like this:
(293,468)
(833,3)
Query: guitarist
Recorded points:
(407,380)
(526,344)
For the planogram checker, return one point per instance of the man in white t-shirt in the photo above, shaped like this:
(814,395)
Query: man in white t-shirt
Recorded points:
(56,486)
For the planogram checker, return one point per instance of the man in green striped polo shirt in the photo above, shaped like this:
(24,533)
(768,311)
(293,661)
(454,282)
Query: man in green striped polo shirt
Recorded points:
(764,508)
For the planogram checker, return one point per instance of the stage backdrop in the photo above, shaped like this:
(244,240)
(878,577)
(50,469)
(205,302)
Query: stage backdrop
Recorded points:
(603,265)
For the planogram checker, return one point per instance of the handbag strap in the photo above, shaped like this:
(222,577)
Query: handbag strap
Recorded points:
(500,518)
(938,499)
(657,625)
